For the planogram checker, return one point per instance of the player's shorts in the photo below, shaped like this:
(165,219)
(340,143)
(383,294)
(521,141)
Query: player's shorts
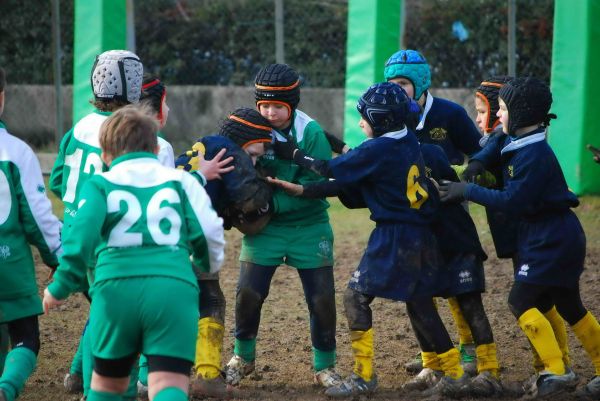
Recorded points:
(463,274)
(154,315)
(18,308)
(401,262)
(302,247)
(551,250)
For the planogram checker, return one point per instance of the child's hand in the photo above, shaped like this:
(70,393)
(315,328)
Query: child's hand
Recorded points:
(595,151)
(452,191)
(289,187)
(212,169)
(49,301)
(285,150)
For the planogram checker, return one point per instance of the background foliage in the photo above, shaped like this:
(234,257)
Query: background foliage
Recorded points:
(204,42)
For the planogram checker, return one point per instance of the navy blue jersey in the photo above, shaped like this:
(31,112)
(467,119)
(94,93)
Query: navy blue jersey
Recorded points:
(551,242)
(390,175)
(448,125)
(241,188)
(453,227)
(503,228)
(534,184)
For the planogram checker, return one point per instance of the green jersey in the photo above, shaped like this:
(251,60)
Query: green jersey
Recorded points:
(292,210)
(25,218)
(79,159)
(140,219)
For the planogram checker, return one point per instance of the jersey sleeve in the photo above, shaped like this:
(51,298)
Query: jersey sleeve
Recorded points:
(466,136)
(166,157)
(56,175)
(80,241)
(521,190)
(490,155)
(205,227)
(41,226)
(315,144)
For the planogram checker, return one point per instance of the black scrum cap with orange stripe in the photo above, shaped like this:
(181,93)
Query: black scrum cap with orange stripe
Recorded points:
(278,83)
(246,126)
(488,93)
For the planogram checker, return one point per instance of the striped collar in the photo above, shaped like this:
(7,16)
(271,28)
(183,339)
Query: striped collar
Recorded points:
(428,104)
(524,141)
(396,134)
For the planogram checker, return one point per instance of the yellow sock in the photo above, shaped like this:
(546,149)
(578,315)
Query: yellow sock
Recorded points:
(587,331)
(450,363)
(362,348)
(540,334)
(464,331)
(487,360)
(538,365)
(560,332)
(430,360)
(208,348)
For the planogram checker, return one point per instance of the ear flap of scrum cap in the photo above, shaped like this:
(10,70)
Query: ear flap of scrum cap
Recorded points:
(118,75)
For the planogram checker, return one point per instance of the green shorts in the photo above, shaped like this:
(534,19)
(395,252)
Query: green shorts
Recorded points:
(154,315)
(302,247)
(18,308)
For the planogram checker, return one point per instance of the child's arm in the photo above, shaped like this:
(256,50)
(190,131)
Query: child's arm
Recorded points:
(56,175)
(521,191)
(465,134)
(317,190)
(595,151)
(41,226)
(204,226)
(337,145)
(80,241)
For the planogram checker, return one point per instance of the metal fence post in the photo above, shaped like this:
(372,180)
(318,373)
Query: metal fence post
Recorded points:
(512,45)
(58,101)
(279,38)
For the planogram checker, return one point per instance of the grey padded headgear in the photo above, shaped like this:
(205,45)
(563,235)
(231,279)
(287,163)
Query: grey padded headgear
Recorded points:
(118,75)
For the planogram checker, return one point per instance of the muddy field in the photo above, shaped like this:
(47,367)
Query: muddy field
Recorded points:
(284,349)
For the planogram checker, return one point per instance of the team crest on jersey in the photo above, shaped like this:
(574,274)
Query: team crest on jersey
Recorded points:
(438,134)
(511,171)
(4,252)
(524,270)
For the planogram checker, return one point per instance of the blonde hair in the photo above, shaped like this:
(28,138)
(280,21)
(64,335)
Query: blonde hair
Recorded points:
(129,129)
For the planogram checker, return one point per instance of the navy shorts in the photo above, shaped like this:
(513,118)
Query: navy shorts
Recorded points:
(464,274)
(401,263)
(551,251)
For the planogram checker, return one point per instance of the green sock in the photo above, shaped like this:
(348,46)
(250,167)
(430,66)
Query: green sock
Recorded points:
(143,372)
(246,349)
(323,359)
(19,365)
(102,396)
(87,361)
(77,362)
(170,394)
(4,342)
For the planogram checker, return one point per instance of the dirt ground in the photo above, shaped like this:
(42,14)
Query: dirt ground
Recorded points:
(284,349)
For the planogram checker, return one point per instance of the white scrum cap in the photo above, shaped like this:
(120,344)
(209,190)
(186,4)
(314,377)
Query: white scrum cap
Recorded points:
(117,74)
